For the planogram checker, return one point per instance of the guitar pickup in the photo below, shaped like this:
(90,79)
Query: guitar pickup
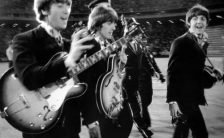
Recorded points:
(61,82)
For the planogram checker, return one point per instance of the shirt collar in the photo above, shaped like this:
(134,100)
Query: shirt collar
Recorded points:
(101,42)
(98,39)
(50,30)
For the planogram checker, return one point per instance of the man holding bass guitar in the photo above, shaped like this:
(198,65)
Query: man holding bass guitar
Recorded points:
(36,65)
(185,79)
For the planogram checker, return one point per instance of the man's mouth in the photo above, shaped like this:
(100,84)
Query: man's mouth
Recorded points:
(111,33)
(199,27)
(64,18)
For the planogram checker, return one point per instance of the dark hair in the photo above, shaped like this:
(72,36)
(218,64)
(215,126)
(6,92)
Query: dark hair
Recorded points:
(40,5)
(100,15)
(95,2)
(195,11)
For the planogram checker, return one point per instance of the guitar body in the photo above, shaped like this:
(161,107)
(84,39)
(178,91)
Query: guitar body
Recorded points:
(109,90)
(34,111)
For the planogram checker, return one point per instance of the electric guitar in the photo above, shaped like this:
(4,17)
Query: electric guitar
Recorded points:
(109,94)
(35,111)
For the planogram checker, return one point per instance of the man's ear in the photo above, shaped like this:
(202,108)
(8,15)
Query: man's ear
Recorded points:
(44,12)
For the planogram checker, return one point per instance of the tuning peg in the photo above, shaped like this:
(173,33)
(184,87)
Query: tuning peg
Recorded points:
(134,21)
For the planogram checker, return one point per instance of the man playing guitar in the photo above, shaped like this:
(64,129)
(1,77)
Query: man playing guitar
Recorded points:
(35,66)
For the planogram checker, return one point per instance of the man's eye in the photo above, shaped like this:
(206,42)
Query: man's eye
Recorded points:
(203,18)
(194,18)
(69,3)
(60,4)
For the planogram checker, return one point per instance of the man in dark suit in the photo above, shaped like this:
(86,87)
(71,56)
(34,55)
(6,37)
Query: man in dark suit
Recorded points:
(185,91)
(138,84)
(36,65)
(102,21)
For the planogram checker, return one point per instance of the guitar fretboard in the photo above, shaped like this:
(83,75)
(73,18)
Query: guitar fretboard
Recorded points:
(85,63)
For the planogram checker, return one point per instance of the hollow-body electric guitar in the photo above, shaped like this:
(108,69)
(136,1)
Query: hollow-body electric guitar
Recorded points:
(109,94)
(35,111)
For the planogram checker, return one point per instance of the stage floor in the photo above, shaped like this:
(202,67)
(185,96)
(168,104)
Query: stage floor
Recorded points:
(161,126)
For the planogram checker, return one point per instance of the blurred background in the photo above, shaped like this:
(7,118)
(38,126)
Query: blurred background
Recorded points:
(163,20)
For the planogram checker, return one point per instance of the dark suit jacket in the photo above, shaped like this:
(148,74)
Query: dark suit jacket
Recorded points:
(90,76)
(139,69)
(185,69)
(33,51)
(33,64)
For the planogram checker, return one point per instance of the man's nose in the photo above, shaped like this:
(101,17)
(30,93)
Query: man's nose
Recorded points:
(67,10)
(114,27)
(199,20)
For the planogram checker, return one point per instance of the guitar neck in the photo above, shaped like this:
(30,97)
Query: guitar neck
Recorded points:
(85,63)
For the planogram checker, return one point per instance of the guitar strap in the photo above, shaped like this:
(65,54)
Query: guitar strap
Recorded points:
(204,51)
(210,62)
(220,76)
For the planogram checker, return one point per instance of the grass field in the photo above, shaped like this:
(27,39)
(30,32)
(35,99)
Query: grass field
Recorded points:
(213,113)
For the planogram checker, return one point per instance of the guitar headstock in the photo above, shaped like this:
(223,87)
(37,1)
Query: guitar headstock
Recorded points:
(131,27)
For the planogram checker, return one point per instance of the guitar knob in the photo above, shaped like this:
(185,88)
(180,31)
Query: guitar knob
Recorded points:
(40,115)
(42,127)
(53,107)
(31,124)
(50,118)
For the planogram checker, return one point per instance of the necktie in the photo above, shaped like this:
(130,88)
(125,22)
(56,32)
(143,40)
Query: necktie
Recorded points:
(103,44)
(57,36)
(59,40)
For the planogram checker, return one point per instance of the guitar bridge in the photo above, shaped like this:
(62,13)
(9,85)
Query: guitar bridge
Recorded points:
(21,99)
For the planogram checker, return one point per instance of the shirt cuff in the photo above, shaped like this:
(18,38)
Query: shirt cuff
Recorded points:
(92,125)
(173,102)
